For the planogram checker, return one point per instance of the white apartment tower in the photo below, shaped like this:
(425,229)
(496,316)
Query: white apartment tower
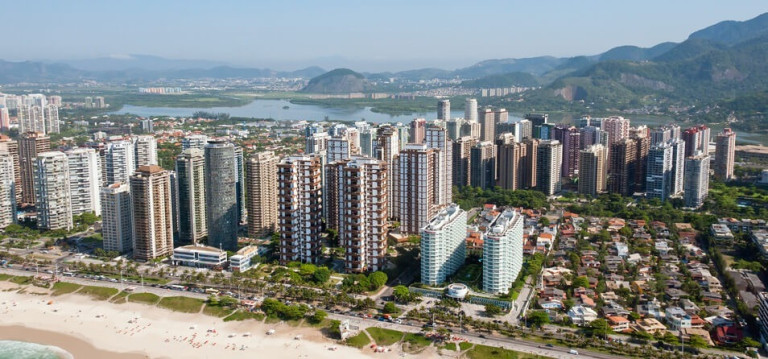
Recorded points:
(696,180)
(119,161)
(117,217)
(443,245)
(549,158)
(503,252)
(7,190)
(725,151)
(470,110)
(658,180)
(145,148)
(84,180)
(52,199)
(194,141)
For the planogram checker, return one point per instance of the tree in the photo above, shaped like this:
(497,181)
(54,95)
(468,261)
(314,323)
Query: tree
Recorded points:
(492,310)
(544,221)
(334,329)
(377,279)
(581,281)
(697,342)
(321,275)
(537,319)
(389,308)
(319,316)
(402,294)
(600,327)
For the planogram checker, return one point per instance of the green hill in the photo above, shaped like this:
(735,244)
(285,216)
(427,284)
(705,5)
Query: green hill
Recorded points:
(337,81)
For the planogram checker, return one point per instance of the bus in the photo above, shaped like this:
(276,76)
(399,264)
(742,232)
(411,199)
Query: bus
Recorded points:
(213,291)
(177,287)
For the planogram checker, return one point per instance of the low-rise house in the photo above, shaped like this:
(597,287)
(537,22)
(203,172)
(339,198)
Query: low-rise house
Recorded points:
(616,284)
(689,306)
(613,308)
(634,258)
(721,232)
(711,284)
(728,334)
(650,308)
(552,293)
(551,304)
(711,297)
(677,318)
(719,310)
(650,326)
(688,333)
(622,250)
(675,294)
(662,247)
(581,315)
(618,324)
(609,296)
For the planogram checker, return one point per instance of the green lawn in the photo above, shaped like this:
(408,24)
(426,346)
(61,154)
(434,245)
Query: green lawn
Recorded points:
(21,279)
(414,343)
(358,341)
(100,293)
(216,311)
(119,298)
(5,276)
(384,336)
(272,320)
(470,274)
(450,346)
(484,352)
(60,288)
(464,346)
(181,304)
(146,298)
(244,315)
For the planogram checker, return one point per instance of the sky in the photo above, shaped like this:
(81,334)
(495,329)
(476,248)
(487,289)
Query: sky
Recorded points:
(364,35)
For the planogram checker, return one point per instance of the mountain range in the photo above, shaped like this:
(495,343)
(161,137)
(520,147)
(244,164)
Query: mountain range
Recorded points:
(726,59)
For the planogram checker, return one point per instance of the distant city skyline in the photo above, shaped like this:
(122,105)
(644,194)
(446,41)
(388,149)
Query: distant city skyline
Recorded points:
(382,36)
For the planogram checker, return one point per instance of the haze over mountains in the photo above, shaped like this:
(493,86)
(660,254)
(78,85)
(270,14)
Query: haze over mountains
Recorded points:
(728,57)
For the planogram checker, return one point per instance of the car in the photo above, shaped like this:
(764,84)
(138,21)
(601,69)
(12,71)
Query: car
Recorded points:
(549,346)
(481,336)
(574,352)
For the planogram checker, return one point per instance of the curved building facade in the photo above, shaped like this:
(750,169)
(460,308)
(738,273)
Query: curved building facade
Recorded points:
(221,194)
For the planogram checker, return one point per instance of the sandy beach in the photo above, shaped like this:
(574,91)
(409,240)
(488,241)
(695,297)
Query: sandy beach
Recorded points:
(98,329)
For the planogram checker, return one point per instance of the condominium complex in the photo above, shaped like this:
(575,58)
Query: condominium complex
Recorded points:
(117,217)
(30,145)
(696,180)
(357,200)
(261,184)
(725,150)
(548,165)
(119,161)
(461,157)
(444,110)
(437,138)
(418,130)
(443,245)
(503,252)
(190,172)
(696,140)
(570,138)
(659,176)
(300,208)
(152,213)
(387,149)
(221,194)
(593,170)
(194,141)
(53,203)
(617,128)
(487,125)
(84,180)
(338,149)
(12,148)
(470,110)
(7,190)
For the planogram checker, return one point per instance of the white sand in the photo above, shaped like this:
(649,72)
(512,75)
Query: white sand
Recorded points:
(161,333)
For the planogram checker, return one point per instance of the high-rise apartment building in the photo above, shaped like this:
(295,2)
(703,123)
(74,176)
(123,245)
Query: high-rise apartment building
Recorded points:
(593,170)
(117,217)
(725,154)
(84,180)
(31,119)
(437,138)
(221,194)
(359,201)
(623,166)
(417,191)
(338,149)
(240,185)
(367,140)
(300,208)
(453,128)
(7,190)
(658,182)
(418,130)
(387,150)
(487,125)
(53,203)
(30,145)
(665,133)
(444,110)
(5,119)
(470,110)
(51,117)
(696,140)
(152,213)
(443,245)
(617,128)
(696,180)
(591,135)
(12,148)
(570,138)
(462,152)
(119,161)
(483,165)
(678,167)
(316,142)
(190,174)
(511,156)
(261,184)
(548,166)
(500,115)
(472,129)
(145,150)
(537,119)
(503,252)
(194,141)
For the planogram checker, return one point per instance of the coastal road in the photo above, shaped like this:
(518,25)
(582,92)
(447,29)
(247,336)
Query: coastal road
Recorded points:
(506,343)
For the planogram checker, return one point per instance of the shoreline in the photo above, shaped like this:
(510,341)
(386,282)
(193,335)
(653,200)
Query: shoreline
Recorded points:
(75,346)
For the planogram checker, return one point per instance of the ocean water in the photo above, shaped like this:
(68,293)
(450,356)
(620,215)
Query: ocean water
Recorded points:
(11,349)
